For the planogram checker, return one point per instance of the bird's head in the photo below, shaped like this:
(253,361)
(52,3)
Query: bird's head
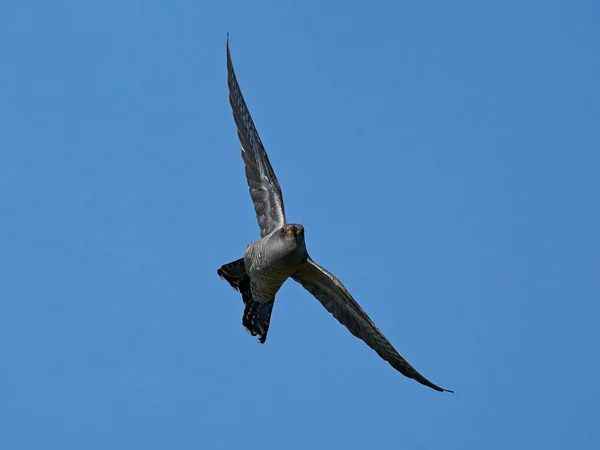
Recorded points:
(288,245)
(293,230)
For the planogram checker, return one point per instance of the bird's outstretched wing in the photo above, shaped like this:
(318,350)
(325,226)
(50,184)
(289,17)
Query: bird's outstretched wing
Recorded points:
(264,187)
(337,300)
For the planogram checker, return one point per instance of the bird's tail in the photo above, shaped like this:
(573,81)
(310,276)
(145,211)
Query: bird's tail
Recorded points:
(257,315)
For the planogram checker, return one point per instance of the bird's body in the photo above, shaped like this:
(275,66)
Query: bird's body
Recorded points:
(281,253)
(272,260)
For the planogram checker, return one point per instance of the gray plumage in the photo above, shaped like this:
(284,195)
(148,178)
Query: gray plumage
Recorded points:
(264,187)
(281,252)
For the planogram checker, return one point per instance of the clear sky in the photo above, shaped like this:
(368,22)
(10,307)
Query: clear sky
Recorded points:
(444,158)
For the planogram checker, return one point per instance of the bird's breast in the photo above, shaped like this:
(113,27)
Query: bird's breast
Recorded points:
(268,269)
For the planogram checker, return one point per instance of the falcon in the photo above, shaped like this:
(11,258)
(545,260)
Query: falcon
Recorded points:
(281,253)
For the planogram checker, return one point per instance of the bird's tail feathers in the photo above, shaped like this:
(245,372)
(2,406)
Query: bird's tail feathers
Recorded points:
(257,315)
(235,274)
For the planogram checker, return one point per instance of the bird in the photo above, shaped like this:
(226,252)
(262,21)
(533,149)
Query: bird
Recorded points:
(281,252)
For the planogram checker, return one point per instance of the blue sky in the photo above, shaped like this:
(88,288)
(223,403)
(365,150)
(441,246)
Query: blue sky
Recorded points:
(443,157)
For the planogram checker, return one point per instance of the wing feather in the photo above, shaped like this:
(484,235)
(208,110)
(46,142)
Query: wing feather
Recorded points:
(337,300)
(264,186)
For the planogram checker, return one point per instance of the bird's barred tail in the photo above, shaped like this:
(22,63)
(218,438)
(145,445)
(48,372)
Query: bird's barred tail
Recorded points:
(257,315)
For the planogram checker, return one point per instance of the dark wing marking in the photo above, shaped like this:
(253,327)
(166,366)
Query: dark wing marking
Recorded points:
(337,300)
(264,187)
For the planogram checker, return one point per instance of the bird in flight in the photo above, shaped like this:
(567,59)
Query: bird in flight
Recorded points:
(281,253)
